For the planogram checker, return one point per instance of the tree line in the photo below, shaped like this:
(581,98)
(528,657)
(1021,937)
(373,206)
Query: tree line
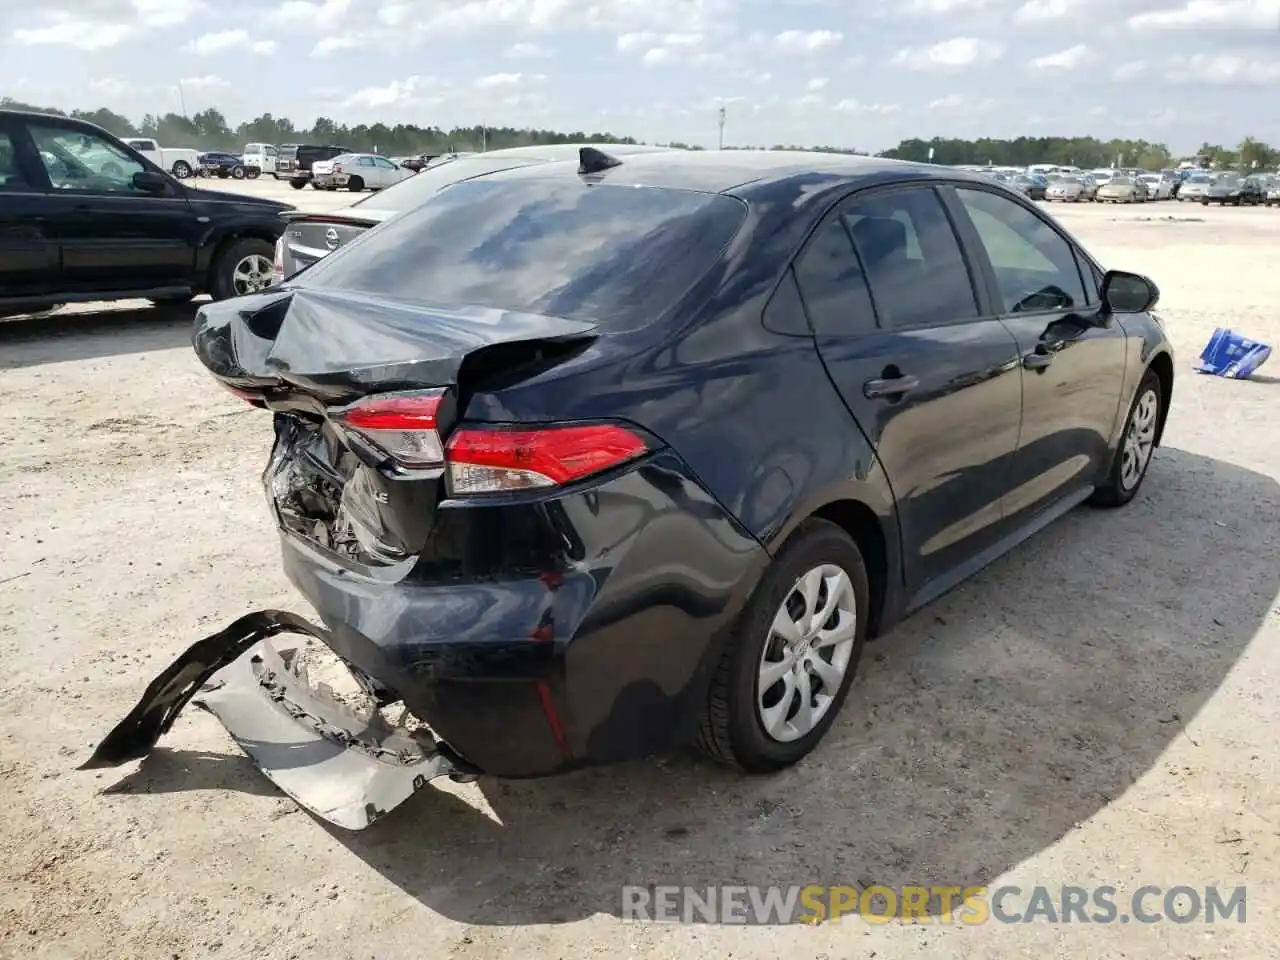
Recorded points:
(210,130)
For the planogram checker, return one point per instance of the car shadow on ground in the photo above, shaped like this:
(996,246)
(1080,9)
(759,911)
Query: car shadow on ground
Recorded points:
(980,732)
(74,334)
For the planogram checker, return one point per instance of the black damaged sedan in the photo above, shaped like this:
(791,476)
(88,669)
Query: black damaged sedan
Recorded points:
(585,461)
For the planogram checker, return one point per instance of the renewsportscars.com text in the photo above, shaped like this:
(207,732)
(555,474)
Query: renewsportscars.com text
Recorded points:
(970,905)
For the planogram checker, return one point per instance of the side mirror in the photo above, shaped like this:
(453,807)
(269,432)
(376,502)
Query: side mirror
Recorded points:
(1124,292)
(150,181)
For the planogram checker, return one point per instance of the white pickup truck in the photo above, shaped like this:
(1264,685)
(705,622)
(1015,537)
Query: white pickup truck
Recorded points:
(179,161)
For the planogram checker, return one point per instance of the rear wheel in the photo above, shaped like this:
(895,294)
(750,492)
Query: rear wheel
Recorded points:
(793,654)
(241,268)
(182,170)
(253,173)
(297,184)
(1137,444)
(355,185)
(237,173)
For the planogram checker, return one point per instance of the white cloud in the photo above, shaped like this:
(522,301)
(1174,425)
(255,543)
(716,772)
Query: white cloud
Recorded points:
(949,54)
(656,56)
(1210,14)
(1071,58)
(207,82)
(1224,70)
(798,42)
(404,91)
(526,51)
(1129,71)
(1045,11)
(213,43)
(327,45)
(943,8)
(113,24)
(857,106)
(320,16)
(817,83)
(502,80)
(947,103)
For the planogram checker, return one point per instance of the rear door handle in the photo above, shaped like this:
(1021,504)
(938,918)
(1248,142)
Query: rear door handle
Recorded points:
(1037,361)
(894,386)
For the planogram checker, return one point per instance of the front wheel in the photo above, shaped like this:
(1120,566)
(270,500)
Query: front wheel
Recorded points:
(182,169)
(242,268)
(1137,444)
(792,656)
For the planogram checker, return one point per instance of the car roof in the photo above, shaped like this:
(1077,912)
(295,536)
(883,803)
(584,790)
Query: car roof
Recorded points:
(723,171)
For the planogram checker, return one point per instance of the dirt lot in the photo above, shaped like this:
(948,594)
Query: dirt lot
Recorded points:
(1097,708)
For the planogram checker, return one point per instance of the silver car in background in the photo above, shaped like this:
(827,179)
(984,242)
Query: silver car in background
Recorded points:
(1195,187)
(1158,186)
(1071,189)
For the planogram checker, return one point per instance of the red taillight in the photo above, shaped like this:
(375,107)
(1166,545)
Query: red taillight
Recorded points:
(503,460)
(337,168)
(404,426)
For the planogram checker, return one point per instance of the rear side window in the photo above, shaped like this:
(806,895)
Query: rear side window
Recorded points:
(911,258)
(832,284)
(616,255)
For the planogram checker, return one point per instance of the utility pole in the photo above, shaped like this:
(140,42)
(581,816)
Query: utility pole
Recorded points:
(182,100)
(722,117)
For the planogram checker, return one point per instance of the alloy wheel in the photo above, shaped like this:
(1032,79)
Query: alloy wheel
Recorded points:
(1139,439)
(807,653)
(251,275)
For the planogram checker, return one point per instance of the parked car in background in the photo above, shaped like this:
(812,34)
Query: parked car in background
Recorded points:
(1070,188)
(310,237)
(1158,187)
(260,155)
(1102,175)
(1273,190)
(1122,189)
(1033,187)
(224,165)
(182,162)
(522,431)
(366,171)
(117,231)
(322,171)
(1195,186)
(1234,191)
(296,164)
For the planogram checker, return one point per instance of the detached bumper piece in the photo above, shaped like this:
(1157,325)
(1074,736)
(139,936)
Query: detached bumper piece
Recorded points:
(345,767)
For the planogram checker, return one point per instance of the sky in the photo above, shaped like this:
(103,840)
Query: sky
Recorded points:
(857,74)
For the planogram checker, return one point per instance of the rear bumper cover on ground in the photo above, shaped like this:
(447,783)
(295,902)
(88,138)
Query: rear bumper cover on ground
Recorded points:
(346,768)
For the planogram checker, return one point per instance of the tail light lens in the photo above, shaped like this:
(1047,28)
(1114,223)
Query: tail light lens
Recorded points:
(277,268)
(403,426)
(337,168)
(505,460)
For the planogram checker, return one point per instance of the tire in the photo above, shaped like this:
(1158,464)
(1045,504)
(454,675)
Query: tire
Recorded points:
(297,184)
(223,280)
(732,731)
(356,184)
(237,173)
(182,170)
(253,173)
(1121,486)
(1204,203)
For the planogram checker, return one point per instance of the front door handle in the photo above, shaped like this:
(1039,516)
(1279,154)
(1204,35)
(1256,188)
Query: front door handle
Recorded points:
(890,387)
(1037,361)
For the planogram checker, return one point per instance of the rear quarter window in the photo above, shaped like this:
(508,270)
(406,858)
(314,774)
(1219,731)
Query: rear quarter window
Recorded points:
(614,255)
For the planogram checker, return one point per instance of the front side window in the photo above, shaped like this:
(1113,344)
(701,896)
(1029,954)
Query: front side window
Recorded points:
(78,161)
(384,163)
(367,162)
(911,258)
(1035,266)
(614,255)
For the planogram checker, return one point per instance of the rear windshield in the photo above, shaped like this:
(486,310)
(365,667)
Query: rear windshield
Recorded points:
(319,153)
(615,255)
(407,194)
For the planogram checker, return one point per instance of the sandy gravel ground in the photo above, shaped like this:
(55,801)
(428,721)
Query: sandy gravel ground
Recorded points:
(1097,708)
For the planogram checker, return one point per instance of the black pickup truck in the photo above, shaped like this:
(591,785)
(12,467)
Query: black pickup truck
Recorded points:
(85,218)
